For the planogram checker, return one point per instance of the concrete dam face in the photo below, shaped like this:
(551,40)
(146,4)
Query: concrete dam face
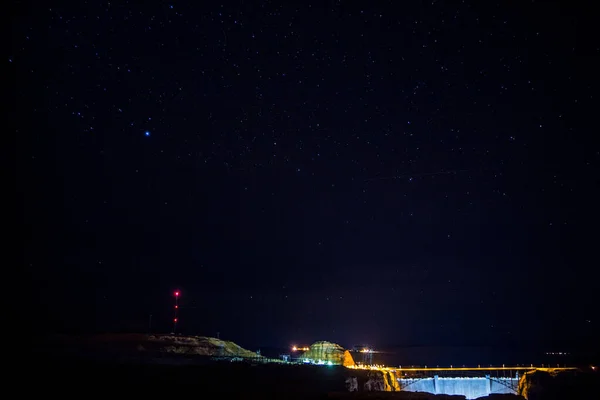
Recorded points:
(471,388)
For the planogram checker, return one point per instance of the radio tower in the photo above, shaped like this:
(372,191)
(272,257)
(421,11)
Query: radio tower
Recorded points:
(176,311)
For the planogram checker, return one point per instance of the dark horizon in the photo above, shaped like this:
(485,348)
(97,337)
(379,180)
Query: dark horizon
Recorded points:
(379,173)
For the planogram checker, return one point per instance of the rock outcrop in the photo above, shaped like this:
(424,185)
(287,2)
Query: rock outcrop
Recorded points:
(557,384)
(327,352)
(197,345)
(132,344)
(376,382)
(382,381)
(391,381)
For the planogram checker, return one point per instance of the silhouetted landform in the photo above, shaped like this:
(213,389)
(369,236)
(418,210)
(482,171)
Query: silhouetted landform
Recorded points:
(220,380)
(145,347)
(147,364)
(558,385)
(199,345)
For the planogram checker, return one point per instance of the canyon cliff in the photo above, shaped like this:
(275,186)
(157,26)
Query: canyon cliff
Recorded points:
(553,384)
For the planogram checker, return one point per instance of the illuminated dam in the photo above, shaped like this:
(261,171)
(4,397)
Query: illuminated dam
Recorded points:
(469,382)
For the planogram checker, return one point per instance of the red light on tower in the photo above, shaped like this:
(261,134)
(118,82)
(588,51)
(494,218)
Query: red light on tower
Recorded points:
(176,311)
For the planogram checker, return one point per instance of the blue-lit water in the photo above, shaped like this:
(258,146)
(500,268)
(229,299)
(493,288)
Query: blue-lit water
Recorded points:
(471,388)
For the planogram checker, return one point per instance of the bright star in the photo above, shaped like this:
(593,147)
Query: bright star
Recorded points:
(147,133)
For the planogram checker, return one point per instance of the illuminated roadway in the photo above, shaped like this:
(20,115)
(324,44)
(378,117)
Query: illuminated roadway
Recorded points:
(480,369)
(434,369)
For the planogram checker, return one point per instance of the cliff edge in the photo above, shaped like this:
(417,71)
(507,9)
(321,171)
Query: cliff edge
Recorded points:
(557,384)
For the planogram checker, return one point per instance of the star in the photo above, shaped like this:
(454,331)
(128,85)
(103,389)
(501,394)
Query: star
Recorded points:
(228,122)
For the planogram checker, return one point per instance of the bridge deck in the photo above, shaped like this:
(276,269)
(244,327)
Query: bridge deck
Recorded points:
(424,369)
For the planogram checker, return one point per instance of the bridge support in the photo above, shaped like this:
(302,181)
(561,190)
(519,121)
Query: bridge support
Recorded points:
(489,384)
(435,384)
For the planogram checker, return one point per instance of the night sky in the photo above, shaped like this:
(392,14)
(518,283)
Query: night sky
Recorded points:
(392,173)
